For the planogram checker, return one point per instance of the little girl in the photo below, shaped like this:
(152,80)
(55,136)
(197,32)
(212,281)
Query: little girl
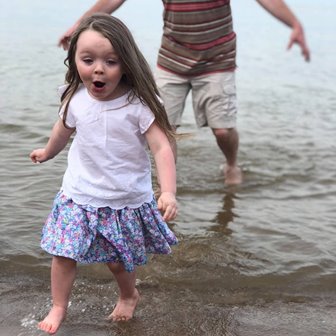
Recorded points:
(105,210)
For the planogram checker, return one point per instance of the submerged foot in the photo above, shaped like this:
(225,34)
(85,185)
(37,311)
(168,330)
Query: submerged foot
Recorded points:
(232,175)
(53,320)
(125,308)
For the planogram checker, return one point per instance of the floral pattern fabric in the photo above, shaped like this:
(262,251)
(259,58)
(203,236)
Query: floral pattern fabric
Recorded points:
(88,235)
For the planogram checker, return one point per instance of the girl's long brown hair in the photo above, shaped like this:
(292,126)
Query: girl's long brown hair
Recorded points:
(137,73)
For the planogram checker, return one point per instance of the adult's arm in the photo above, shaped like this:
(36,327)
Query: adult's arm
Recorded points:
(101,6)
(280,10)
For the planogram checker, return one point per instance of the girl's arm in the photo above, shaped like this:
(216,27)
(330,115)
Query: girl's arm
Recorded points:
(101,6)
(58,140)
(166,170)
(282,12)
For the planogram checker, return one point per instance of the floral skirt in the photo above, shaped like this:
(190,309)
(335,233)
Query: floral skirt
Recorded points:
(88,235)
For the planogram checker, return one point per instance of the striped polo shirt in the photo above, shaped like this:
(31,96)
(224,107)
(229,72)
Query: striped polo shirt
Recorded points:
(198,37)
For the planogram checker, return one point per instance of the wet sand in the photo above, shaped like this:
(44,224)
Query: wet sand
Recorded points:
(181,307)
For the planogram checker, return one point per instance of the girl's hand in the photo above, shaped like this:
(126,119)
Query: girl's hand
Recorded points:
(39,155)
(168,205)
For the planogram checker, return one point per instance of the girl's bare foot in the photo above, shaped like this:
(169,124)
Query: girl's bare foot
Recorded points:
(125,308)
(53,320)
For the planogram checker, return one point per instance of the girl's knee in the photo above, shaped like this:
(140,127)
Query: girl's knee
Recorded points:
(64,261)
(115,267)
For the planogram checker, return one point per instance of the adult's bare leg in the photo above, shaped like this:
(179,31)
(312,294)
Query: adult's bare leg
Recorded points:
(228,141)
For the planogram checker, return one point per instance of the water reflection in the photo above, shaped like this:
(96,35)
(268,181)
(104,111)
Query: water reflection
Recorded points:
(226,215)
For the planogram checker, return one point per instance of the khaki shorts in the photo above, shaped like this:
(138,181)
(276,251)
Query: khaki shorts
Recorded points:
(213,97)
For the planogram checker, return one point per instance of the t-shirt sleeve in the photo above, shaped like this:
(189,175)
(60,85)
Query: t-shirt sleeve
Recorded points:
(146,119)
(70,119)
(61,89)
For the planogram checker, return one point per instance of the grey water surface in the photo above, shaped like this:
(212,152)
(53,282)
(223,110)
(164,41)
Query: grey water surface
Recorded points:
(257,259)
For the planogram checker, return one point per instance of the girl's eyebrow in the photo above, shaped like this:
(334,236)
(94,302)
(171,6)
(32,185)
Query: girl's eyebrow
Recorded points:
(89,51)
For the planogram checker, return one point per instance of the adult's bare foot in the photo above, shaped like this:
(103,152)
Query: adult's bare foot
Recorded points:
(53,320)
(125,308)
(232,175)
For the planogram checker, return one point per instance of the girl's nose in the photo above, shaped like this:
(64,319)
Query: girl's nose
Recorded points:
(98,69)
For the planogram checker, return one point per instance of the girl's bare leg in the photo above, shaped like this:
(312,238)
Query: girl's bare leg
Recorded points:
(128,294)
(63,273)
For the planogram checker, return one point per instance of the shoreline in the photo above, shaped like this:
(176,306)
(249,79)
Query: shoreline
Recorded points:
(168,309)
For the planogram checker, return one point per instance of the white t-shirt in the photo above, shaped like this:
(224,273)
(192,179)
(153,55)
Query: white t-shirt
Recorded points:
(108,161)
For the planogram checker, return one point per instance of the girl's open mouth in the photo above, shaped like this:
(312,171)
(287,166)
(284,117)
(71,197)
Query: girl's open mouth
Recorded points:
(98,84)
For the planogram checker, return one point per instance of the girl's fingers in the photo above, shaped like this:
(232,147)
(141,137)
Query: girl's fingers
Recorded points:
(170,213)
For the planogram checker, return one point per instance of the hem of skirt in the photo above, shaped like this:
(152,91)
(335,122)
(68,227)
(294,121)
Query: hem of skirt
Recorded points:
(82,261)
(114,261)
(85,262)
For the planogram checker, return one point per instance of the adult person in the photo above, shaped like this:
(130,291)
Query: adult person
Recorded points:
(198,54)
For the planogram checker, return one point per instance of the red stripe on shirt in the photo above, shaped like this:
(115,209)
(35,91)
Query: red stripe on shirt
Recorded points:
(191,7)
(208,45)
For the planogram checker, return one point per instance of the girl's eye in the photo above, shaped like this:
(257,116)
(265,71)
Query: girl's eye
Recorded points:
(87,60)
(111,62)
